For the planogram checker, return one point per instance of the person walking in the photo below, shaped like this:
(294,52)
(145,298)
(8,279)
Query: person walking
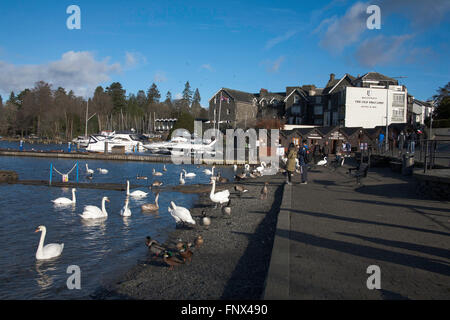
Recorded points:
(303,162)
(401,142)
(326,149)
(380,142)
(290,165)
(412,141)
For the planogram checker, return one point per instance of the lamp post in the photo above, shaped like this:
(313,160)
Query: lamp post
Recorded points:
(431,119)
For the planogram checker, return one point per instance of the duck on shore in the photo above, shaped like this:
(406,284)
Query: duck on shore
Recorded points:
(154,246)
(171,260)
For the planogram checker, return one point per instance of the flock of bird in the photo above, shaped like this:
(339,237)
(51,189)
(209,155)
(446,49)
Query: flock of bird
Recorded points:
(180,214)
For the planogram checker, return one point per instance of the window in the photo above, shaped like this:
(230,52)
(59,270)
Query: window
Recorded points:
(398,99)
(296,99)
(318,99)
(318,110)
(295,110)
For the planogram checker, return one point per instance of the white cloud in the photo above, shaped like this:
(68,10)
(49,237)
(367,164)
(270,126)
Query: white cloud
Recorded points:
(77,71)
(274,66)
(207,67)
(160,76)
(133,59)
(273,42)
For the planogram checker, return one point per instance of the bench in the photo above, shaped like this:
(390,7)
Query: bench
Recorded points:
(360,172)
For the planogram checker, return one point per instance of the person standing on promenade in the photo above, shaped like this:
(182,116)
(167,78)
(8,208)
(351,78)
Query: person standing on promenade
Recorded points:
(290,165)
(302,159)
(316,152)
(326,149)
(401,142)
(412,141)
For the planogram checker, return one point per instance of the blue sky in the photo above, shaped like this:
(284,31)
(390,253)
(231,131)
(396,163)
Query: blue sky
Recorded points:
(244,45)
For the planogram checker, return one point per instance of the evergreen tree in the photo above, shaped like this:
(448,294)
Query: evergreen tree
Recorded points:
(117,94)
(153,94)
(196,107)
(187,96)
(442,99)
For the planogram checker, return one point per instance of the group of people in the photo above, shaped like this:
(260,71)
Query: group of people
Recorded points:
(404,140)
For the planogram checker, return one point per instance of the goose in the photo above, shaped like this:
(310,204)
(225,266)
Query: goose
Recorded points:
(219,197)
(227,209)
(151,206)
(93,212)
(240,189)
(64,201)
(209,172)
(221,179)
(89,170)
(164,168)
(157,183)
(50,250)
(322,162)
(206,221)
(241,176)
(181,178)
(156,173)
(264,191)
(102,171)
(180,214)
(125,212)
(135,194)
(189,174)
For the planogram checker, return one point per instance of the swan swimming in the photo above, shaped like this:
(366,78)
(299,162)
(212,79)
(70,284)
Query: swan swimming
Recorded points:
(209,172)
(156,173)
(102,171)
(189,174)
(89,170)
(126,212)
(137,193)
(50,250)
(63,200)
(180,214)
(181,178)
(93,212)
(151,206)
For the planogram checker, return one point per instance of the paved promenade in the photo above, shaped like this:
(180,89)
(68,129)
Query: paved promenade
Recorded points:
(330,230)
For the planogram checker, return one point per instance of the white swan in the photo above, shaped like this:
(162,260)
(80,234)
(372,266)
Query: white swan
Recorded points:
(247,167)
(209,172)
(219,197)
(50,250)
(125,212)
(93,212)
(62,200)
(261,167)
(89,170)
(322,162)
(235,168)
(181,178)
(102,171)
(164,168)
(135,194)
(189,174)
(156,173)
(180,214)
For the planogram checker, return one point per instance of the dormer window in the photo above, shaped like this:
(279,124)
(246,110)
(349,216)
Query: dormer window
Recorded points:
(296,99)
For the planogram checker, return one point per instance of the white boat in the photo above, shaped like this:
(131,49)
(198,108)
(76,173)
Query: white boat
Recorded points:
(81,141)
(129,141)
(178,145)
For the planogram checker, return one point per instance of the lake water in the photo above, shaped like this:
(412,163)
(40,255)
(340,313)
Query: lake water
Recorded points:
(102,249)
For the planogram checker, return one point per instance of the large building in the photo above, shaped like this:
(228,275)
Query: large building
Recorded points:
(365,101)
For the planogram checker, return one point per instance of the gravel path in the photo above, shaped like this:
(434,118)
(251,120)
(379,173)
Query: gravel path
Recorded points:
(231,264)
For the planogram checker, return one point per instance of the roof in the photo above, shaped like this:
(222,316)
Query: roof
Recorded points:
(326,130)
(376,77)
(350,131)
(332,84)
(422,103)
(237,95)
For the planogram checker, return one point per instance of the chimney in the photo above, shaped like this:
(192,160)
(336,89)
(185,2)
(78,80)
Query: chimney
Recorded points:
(331,76)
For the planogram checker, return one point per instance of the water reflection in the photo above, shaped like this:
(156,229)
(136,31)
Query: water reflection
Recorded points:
(44,280)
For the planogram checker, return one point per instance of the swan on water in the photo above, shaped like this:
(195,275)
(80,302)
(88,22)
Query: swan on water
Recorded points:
(219,197)
(89,170)
(235,168)
(209,172)
(156,173)
(137,193)
(151,206)
(93,212)
(322,162)
(64,200)
(188,174)
(125,212)
(50,250)
(180,214)
(181,178)
(102,171)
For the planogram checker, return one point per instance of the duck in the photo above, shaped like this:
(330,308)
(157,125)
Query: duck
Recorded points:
(154,246)
(264,191)
(89,170)
(227,209)
(170,260)
(180,214)
(66,201)
(189,174)
(141,177)
(199,241)
(253,176)
(322,162)
(206,221)
(151,206)
(164,168)
(50,250)
(182,181)
(157,183)
(93,212)
(186,253)
(240,189)
(221,179)
(125,212)
(137,193)
(102,171)
(219,197)
(240,177)
(156,173)
(209,172)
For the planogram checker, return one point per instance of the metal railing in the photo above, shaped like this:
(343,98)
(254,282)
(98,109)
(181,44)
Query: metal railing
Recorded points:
(435,153)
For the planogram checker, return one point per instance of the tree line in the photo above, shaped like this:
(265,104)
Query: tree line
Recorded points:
(58,114)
